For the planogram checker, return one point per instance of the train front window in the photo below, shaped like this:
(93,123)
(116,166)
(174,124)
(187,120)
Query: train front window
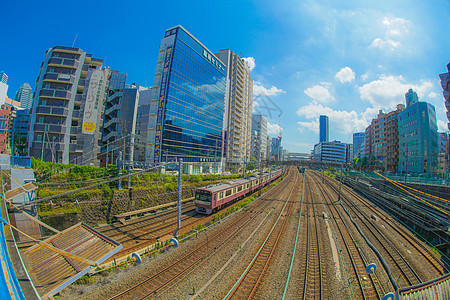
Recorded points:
(204,196)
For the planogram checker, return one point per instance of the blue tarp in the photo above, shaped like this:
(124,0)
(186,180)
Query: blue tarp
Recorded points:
(9,285)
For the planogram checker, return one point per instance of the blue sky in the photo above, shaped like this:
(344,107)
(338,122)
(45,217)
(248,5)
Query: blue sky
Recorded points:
(345,60)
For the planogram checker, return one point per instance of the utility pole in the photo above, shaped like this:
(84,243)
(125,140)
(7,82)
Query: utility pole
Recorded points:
(119,166)
(180,170)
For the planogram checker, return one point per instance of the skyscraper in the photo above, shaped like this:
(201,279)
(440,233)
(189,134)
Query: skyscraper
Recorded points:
(25,96)
(67,108)
(418,138)
(3,77)
(119,118)
(445,83)
(323,123)
(3,87)
(358,142)
(259,137)
(190,104)
(238,110)
(383,138)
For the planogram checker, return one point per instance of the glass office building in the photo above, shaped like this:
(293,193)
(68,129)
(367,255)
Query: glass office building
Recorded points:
(189,101)
(323,122)
(418,138)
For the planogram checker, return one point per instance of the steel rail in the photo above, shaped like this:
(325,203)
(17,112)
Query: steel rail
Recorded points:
(230,226)
(357,270)
(241,279)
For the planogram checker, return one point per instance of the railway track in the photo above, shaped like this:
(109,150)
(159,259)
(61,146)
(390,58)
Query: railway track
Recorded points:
(420,247)
(247,285)
(156,283)
(409,275)
(313,277)
(363,289)
(403,270)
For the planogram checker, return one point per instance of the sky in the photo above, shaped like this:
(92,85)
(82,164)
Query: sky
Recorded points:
(346,60)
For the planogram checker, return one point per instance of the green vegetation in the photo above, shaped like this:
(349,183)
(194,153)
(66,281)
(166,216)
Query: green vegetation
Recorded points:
(85,280)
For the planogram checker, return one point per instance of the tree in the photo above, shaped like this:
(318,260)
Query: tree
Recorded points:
(20,146)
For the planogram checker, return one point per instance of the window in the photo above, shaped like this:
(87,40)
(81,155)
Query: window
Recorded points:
(39,138)
(51,70)
(41,120)
(47,86)
(228,193)
(239,188)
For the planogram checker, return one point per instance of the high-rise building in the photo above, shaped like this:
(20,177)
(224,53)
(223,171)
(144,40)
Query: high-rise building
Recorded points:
(119,121)
(358,144)
(3,87)
(6,117)
(3,77)
(276,149)
(20,131)
(67,107)
(367,142)
(238,110)
(349,153)
(445,83)
(383,139)
(190,105)
(323,123)
(145,125)
(330,152)
(25,96)
(443,156)
(259,137)
(418,138)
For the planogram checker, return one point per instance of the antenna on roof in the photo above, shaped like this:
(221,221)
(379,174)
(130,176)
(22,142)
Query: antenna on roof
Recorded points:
(74,39)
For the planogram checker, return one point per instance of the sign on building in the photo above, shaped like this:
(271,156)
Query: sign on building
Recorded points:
(94,100)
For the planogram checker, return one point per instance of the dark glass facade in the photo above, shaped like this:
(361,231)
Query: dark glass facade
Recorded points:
(323,121)
(191,102)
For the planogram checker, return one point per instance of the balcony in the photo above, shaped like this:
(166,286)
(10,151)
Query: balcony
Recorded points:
(76,114)
(52,110)
(78,98)
(73,130)
(60,94)
(63,49)
(74,148)
(51,128)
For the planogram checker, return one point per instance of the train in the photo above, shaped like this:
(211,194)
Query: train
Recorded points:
(211,198)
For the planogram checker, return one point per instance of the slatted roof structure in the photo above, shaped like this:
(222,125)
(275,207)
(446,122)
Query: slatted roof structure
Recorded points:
(51,271)
(26,188)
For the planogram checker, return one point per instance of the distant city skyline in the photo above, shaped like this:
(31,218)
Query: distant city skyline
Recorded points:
(345,60)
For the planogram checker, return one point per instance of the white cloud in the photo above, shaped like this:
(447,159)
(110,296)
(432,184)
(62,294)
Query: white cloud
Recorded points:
(389,90)
(432,95)
(258,89)
(273,128)
(396,26)
(395,29)
(340,121)
(345,75)
(365,76)
(320,93)
(250,62)
(442,126)
(312,126)
(382,43)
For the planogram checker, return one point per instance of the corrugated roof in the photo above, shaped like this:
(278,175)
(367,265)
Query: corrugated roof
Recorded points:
(51,271)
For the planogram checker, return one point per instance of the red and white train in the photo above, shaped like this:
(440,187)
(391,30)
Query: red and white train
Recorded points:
(212,198)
